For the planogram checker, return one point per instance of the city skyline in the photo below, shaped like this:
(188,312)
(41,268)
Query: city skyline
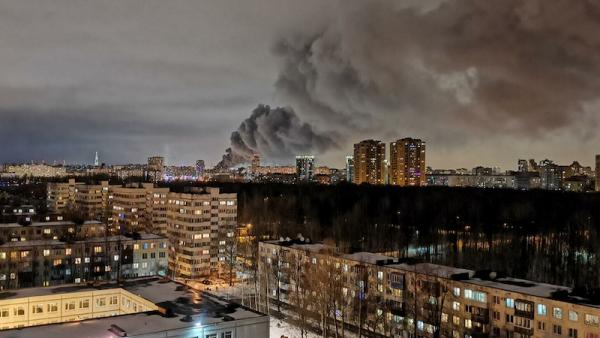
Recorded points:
(144,78)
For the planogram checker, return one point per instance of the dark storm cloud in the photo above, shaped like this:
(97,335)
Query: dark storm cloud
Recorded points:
(275,134)
(494,68)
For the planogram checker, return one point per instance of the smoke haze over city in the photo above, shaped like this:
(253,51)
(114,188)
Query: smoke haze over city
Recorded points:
(481,82)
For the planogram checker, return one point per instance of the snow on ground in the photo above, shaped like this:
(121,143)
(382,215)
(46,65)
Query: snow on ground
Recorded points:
(280,328)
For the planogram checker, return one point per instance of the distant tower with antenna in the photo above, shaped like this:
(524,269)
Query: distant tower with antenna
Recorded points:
(96,160)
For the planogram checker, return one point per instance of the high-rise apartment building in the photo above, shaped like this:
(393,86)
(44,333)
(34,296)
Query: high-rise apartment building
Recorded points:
(305,167)
(255,163)
(61,195)
(199,169)
(349,168)
(201,227)
(94,201)
(550,175)
(523,166)
(369,156)
(407,162)
(140,208)
(597,172)
(156,167)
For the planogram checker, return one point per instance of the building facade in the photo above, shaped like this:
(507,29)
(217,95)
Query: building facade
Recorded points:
(388,298)
(201,230)
(369,156)
(305,167)
(47,262)
(140,208)
(407,162)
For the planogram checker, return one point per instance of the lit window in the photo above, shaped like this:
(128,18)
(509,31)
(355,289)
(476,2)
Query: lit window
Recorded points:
(46,252)
(456,306)
(510,303)
(456,292)
(380,275)
(573,316)
(78,260)
(68,251)
(557,313)
(541,310)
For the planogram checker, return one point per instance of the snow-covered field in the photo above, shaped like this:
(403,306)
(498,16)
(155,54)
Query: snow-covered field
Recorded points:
(280,328)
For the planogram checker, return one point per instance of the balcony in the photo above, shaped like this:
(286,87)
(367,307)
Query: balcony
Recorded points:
(524,314)
(524,331)
(482,317)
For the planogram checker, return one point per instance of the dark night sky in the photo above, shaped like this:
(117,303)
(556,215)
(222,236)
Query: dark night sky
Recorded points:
(483,82)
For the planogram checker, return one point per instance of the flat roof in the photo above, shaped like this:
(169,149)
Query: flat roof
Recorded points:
(143,236)
(42,224)
(204,309)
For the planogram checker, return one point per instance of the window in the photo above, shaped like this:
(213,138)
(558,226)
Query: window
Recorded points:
(510,318)
(101,301)
(2,255)
(116,258)
(468,323)
(19,311)
(541,310)
(380,275)
(211,335)
(557,313)
(226,334)
(46,252)
(4,312)
(52,307)
(420,325)
(444,317)
(475,295)
(572,333)
(557,329)
(573,316)
(456,292)
(136,265)
(70,305)
(84,303)
(456,320)
(592,320)
(114,300)
(38,308)
(68,251)
(541,326)
(97,249)
(456,306)
(510,303)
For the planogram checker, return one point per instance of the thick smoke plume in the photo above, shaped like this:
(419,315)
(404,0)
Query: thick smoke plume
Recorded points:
(273,133)
(437,68)
(449,71)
